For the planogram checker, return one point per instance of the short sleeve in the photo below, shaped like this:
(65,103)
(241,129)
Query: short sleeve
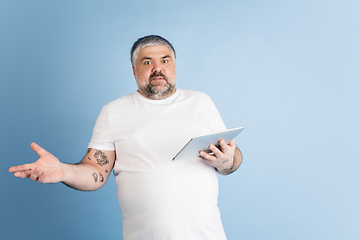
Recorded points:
(101,138)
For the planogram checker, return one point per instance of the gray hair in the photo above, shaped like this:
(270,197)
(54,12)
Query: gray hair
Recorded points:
(147,41)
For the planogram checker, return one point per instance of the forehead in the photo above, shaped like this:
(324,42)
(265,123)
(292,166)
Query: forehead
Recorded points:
(157,51)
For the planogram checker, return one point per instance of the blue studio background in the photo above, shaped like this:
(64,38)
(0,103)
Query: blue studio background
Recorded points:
(289,71)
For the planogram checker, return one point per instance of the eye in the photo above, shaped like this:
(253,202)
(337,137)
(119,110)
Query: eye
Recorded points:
(165,61)
(147,62)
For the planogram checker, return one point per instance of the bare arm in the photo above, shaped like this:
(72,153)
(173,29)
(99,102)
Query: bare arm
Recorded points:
(90,174)
(226,159)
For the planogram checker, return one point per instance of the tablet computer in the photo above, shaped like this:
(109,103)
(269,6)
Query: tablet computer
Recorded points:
(202,142)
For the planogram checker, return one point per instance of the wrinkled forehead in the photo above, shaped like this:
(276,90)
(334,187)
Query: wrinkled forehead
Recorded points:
(145,48)
(158,51)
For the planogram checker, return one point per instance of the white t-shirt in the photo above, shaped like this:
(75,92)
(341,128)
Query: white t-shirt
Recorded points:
(160,198)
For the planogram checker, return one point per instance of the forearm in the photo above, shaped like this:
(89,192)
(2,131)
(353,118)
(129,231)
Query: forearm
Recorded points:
(236,163)
(90,174)
(83,176)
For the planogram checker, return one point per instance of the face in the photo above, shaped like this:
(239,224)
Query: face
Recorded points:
(155,72)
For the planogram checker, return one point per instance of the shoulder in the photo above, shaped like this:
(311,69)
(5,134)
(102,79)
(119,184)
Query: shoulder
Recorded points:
(124,100)
(194,94)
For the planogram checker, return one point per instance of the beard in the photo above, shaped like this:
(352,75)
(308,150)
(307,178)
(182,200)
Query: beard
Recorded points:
(151,91)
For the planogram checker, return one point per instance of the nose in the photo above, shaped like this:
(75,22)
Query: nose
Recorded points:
(156,67)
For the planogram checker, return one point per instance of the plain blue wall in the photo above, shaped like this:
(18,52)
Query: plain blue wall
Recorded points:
(289,71)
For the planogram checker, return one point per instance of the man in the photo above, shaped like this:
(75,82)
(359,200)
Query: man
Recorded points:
(137,136)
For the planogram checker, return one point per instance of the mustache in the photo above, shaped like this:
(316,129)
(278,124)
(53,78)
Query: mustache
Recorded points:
(157,74)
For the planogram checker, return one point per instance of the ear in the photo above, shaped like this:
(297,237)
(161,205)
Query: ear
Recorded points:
(133,68)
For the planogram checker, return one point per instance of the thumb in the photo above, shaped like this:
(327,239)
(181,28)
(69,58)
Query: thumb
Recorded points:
(232,142)
(39,150)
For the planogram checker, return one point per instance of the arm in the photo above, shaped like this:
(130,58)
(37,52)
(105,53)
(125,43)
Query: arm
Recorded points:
(90,174)
(226,159)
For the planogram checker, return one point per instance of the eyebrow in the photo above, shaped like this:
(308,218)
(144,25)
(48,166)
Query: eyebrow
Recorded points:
(149,58)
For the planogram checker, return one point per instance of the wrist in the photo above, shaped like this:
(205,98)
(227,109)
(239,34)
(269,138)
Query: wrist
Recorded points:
(67,172)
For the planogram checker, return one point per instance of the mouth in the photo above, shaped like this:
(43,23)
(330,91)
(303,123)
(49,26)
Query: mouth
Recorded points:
(157,78)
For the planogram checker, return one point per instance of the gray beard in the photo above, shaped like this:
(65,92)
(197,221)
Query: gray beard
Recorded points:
(151,92)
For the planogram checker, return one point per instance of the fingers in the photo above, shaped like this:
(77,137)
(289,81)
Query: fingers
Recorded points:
(216,151)
(220,152)
(43,178)
(24,167)
(232,143)
(35,174)
(38,175)
(207,156)
(22,174)
(227,147)
(34,171)
(223,148)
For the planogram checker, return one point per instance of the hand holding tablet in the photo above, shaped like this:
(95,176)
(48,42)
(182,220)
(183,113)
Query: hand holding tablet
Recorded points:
(202,142)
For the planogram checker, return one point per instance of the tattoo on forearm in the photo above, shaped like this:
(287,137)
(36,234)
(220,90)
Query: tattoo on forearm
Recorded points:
(89,149)
(89,158)
(101,177)
(225,161)
(101,158)
(95,176)
(106,171)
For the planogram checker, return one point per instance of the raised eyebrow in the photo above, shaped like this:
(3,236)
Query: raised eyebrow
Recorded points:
(146,58)
(149,58)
